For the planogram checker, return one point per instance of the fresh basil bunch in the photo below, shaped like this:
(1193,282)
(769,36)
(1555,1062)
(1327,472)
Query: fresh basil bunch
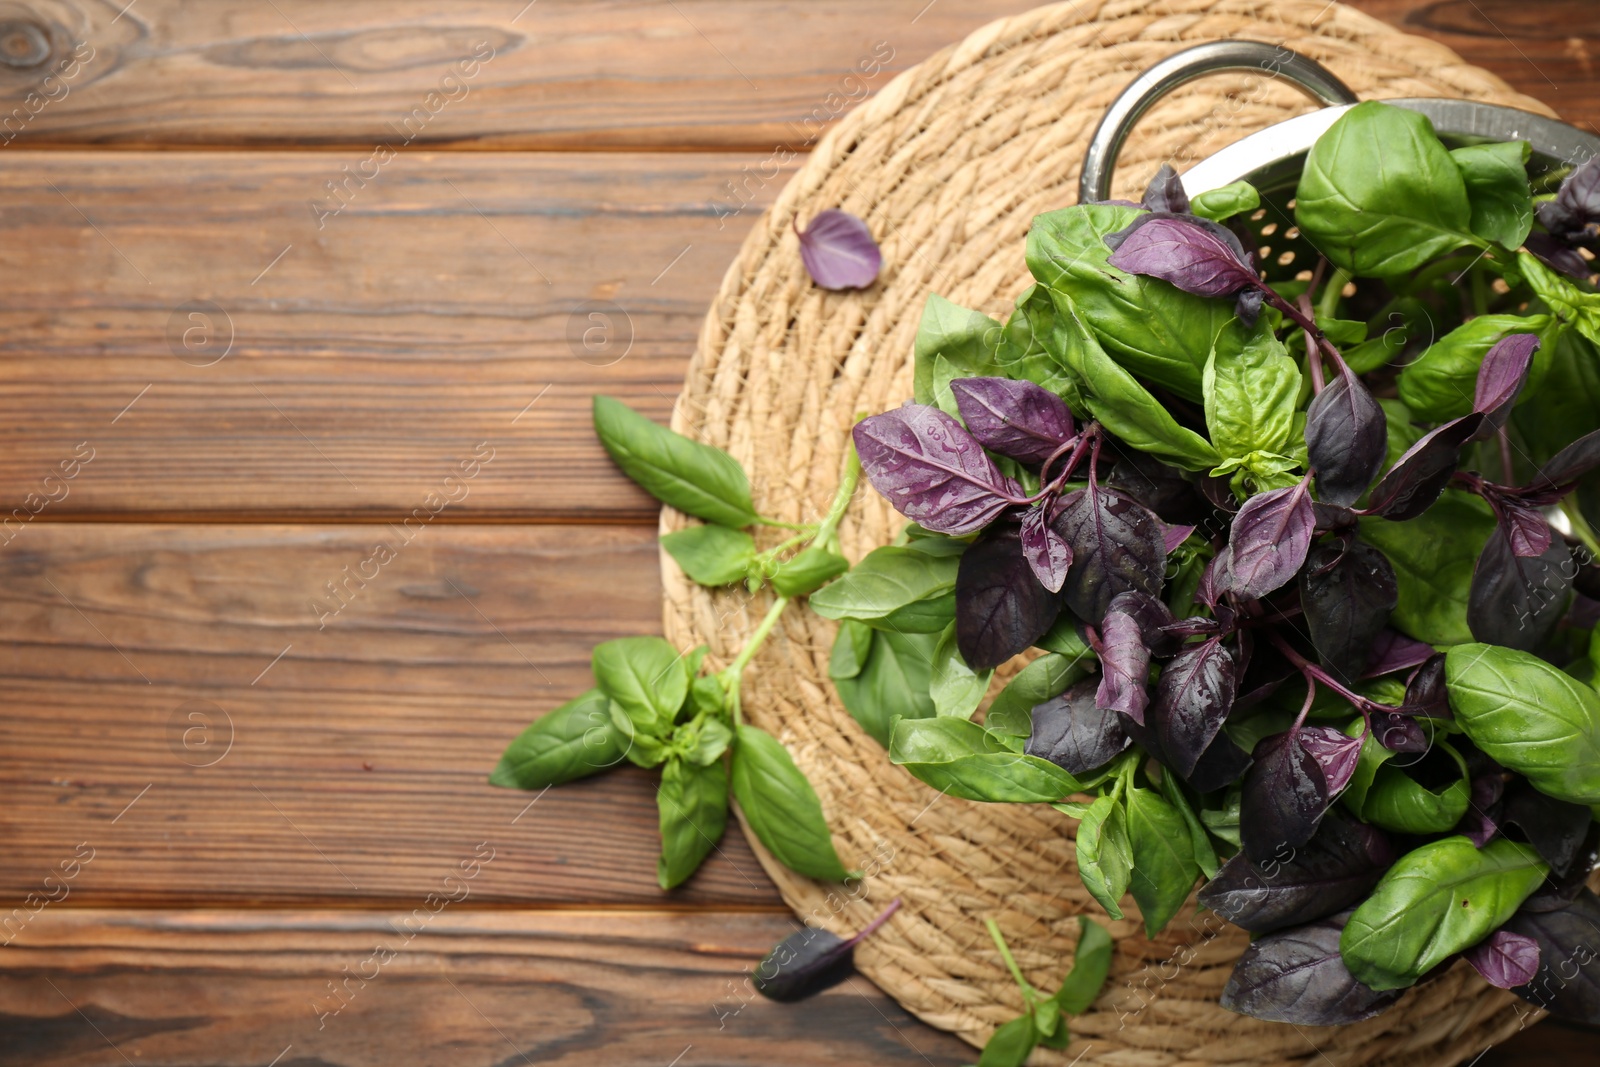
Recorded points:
(1315,590)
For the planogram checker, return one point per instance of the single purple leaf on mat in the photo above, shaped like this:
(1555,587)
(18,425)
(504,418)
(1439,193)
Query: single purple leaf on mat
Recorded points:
(810,960)
(1001,608)
(1173,536)
(1506,960)
(839,252)
(1399,733)
(1297,976)
(1193,697)
(1284,798)
(1566,987)
(1335,752)
(1124,665)
(1517,601)
(1194,254)
(1347,593)
(932,470)
(1419,476)
(1015,418)
(1501,376)
(1165,192)
(1393,651)
(1525,529)
(1154,619)
(1117,546)
(1571,463)
(1347,439)
(1046,551)
(1482,821)
(1269,540)
(1075,733)
(1558,255)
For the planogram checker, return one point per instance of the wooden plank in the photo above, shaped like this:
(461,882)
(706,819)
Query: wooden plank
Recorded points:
(456,299)
(173,705)
(561,74)
(227,988)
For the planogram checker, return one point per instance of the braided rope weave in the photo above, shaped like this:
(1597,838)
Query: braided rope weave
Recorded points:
(947,165)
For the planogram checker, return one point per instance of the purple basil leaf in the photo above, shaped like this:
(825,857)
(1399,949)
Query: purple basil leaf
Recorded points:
(1504,959)
(1558,255)
(1555,828)
(1124,665)
(1212,579)
(1347,439)
(1484,808)
(810,960)
(1348,593)
(1117,546)
(1334,870)
(1268,541)
(1515,600)
(1335,752)
(1015,418)
(1220,765)
(1399,733)
(1419,476)
(839,252)
(1264,675)
(1425,692)
(1285,797)
(1165,192)
(1075,733)
(1001,608)
(1046,550)
(1558,891)
(932,470)
(1297,976)
(1196,255)
(1193,697)
(1577,203)
(1502,374)
(1247,306)
(1525,529)
(1154,619)
(1571,463)
(1568,982)
(1173,536)
(1218,493)
(1393,651)
(1164,489)
(1332,518)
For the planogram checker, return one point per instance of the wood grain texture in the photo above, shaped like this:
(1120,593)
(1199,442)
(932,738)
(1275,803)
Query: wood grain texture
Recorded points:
(456,298)
(351,769)
(472,989)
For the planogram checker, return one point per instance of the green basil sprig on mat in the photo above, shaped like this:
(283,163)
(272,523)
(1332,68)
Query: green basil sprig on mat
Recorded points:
(1044,1020)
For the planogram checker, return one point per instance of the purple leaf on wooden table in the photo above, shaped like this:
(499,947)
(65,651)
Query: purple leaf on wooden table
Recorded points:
(1046,550)
(1297,976)
(1555,828)
(1399,733)
(1568,982)
(810,960)
(1285,797)
(1516,601)
(1196,255)
(1336,753)
(1015,418)
(838,251)
(1484,808)
(1347,593)
(1117,546)
(1075,733)
(1571,463)
(1124,665)
(1165,192)
(1525,529)
(932,470)
(1193,697)
(1347,439)
(1501,376)
(1001,608)
(1504,959)
(1268,541)
(1419,476)
(1334,870)
(1393,651)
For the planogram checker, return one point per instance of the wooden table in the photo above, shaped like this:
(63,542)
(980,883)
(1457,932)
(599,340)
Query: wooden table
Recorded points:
(241,747)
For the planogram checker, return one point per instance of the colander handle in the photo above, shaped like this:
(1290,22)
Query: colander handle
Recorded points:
(1307,75)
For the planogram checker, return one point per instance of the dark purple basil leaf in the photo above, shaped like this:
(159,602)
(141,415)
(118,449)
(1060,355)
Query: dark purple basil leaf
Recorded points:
(1335,752)
(1297,976)
(1399,733)
(1393,651)
(1419,476)
(839,252)
(1285,797)
(1075,733)
(1196,255)
(1001,608)
(1218,493)
(1571,463)
(1558,255)
(1013,417)
(1334,870)
(1425,692)
(1504,959)
(1347,439)
(1554,827)
(1577,202)
(1116,547)
(1046,550)
(1212,580)
(1501,376)
(810,960)
(1348,593)
(1173,536)
(1568,982)
(1247,306)
(1484,808)
(1558,891)
(1154,619)
(1268,541)
(1165,490)
(1526,530)
(1264,675)
(1193,697)
(1165,192)
(1332,517)
(1220,766)
(1124,667)
(932,470)
(1516,601)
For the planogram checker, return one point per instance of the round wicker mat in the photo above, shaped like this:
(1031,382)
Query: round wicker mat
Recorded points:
(947,165)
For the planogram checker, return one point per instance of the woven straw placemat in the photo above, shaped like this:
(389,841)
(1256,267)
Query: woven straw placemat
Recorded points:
(947,166)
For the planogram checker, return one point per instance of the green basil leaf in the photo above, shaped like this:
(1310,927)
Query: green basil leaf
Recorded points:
(966,339)
(692,477)
(1011,711)
(956,688)
(1496,177)
(1031,343)
(1009,1046)
(782,808)
(1105,856)
(1063,639)
(1389,331)
(1250,397)
(1223,822)
(1152,328)
(1397,801)
(1371,758)
(1563,408)
(573,741)
(1437,900)
(703,741)
(1091,963)
(642,749)
(893,682)
(1380,196)
(897,587)
(1433,556)
(693,803)
(1163,858)
(711,555)
(807,571)
(1439,384)
(1528,716)
(645,678)
(850,648)
(1205,854)
(962,759)
(1226,202)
